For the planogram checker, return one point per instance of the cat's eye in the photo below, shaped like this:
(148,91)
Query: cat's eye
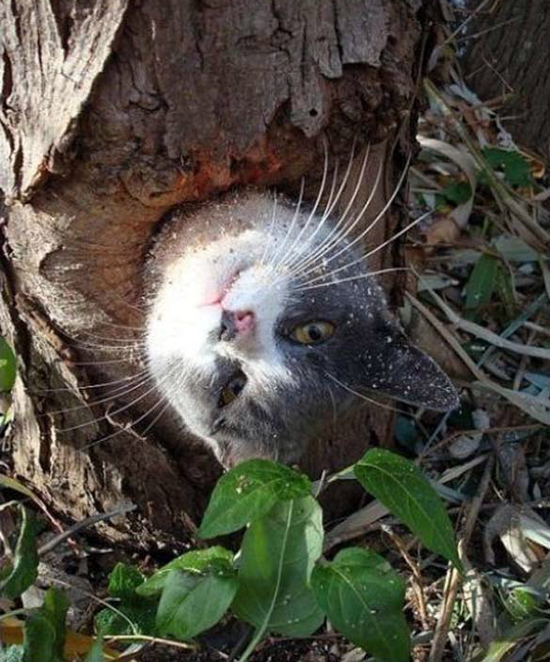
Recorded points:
(312,333)
(232,390)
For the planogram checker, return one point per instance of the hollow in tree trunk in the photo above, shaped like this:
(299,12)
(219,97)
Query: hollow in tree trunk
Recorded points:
(113,113)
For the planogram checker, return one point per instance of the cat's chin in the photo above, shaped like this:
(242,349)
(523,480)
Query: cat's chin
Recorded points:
(232,452)
(230,456)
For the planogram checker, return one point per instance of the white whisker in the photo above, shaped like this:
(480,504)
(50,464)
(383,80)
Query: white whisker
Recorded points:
(271,229)
(302,254)
(374,250)
(378,216)
(340,238)
(108,415)
(273,259)
(117,394)
(148,412)
(87,334)
(350,278)
(96,363)
(311,216)
(89,386)
(105,348)
(312,258)
(364,397)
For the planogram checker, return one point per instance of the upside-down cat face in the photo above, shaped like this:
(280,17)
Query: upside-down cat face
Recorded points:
(265,325)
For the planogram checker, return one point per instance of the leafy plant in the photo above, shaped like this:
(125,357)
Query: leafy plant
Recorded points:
(278,582)
(196,591)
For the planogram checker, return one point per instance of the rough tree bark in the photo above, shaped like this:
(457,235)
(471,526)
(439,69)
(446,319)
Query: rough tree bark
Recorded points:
(111,114)
(508,54)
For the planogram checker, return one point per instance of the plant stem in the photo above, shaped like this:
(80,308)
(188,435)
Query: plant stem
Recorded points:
(258,636)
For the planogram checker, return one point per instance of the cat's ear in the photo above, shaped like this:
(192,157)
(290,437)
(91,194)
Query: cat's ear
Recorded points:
(411,376)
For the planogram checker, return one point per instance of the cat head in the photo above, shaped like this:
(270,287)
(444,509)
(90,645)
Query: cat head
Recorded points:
(265,328)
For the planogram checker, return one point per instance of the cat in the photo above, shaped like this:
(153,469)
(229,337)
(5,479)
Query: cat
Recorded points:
(265,325)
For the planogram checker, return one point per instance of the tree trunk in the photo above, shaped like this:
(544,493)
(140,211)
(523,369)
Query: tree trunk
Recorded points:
(508,52)
(113,113)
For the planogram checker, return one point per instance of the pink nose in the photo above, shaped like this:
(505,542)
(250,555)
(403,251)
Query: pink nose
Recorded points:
(244,321)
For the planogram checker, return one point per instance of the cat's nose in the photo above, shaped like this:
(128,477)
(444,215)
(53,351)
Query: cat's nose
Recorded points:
(236,323)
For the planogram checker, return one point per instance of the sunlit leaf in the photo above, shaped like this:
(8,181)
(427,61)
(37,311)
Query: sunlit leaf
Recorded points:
(278,553)
(123,581)
(96,653)
(202,561)
(513,638)
(523,602)
(12,484)
(249,491)
(364,600)
(54,609)
(191,604)
(400,486)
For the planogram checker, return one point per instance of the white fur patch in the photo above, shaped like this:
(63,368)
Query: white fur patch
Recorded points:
(186,316)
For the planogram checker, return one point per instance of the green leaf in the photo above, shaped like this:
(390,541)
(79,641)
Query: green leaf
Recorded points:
(54,609)
(364,599)
(523,602)
(203,561)
(45,629)
(11,484)
(457,192)
(134,613)
(505,288)
(277,557)
(481,284)
(248,492)
(516,169)
(96,651)
(8,366)
(123,581)
(39,640)
(17,578)
(191,604)
(407,494)
(128,619)
(197,589)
